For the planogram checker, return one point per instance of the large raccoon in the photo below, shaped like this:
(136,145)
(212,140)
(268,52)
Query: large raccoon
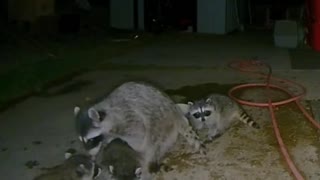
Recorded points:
(75,167)
(216,114)
(140,114)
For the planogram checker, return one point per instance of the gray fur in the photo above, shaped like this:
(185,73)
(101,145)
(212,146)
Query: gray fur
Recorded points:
(216,114)
(76,167)
(120,161)
(144,117)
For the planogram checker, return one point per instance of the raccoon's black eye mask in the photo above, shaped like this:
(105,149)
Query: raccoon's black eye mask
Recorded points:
(196,115)
(207,113)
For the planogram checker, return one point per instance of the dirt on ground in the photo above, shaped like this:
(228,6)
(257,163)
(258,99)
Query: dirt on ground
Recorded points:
(240,153)
(244,153)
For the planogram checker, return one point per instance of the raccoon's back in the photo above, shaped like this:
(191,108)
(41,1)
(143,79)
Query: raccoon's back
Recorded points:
(140,98)
(223,103)
(139,94)
(140,110)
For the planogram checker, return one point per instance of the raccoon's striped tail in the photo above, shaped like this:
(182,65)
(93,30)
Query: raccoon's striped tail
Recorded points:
(245,118)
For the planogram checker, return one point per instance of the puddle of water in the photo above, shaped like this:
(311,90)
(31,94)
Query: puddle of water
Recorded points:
(37,91)
(141,67)
(31,164)
(200,91)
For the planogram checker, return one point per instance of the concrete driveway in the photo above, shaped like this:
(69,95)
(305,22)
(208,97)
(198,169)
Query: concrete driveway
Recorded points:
(36,133)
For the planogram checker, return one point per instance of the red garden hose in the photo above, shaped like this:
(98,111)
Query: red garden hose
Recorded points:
(254,67)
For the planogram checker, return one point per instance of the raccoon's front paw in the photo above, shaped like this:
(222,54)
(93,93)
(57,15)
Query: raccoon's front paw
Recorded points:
(201,148)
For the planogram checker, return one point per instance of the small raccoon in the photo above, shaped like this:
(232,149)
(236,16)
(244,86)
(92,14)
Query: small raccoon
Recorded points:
(140,114)
(120,161)
(75,167)
(216,114)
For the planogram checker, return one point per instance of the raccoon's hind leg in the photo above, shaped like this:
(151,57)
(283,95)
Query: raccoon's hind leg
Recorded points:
(150,163)
(187,131)
(246,119)
(145,169)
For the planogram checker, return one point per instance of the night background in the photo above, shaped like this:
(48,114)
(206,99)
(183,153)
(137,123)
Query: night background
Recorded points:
(35,32)
(55,54)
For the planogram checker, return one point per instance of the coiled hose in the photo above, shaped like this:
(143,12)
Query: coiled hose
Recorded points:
(254,67)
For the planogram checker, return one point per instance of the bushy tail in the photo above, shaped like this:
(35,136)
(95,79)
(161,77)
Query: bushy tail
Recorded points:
(245,118)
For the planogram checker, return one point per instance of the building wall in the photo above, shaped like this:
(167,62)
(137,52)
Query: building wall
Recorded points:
(211,16)
(29,10)
(219,16)
(122,14)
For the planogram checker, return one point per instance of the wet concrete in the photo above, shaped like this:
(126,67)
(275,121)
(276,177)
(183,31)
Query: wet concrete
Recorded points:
(194,92)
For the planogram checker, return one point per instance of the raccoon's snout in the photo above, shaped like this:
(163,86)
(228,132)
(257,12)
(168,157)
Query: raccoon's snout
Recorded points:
(203,119)
(93,142)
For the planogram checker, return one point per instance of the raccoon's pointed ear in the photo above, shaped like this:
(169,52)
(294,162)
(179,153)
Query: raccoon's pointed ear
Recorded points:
(183,107)
(208,100)
(102,115)
(76,110)
(67,155)
(190,103)
(111,169)
(94,115)
(138,172)
(81,170)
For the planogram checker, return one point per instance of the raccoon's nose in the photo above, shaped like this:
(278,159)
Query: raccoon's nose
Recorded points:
(203,119)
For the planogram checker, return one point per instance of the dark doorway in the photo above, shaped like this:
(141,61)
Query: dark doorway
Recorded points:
(161,15)
(3,10)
